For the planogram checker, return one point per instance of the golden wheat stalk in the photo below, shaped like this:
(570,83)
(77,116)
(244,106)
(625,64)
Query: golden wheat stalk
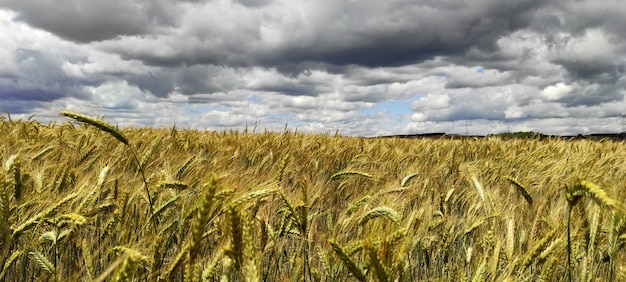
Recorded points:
(357,204)
(382,211)
(510,238)
(381,272)
(479,188)
(536,250)
(100,124)
(251,271)
(43,262)
(348,262)
(234,232)
(202,218)
(521,189)
(210,269)
(34,219)
(161,209)
(173,184)
(175,264)
(591,190)
(407,178)
(254,195)
(481,271)
(129,265)
(5,208)
(41,153)
(547,270)
(157,257)
(14,256)
(342,174)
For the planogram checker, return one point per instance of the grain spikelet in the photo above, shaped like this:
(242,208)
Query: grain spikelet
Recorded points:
(210,269)
(468,255)
(42,261)
(510,238)
(537,248)
(407,178)
(5,208)
(351,265)
(375,262)
(555,246)
(396,236)
(281,169)
(323,261)
(14,256)
(178,260)
(593,191)
(481,272)
(148,153)
(354,247)
(48,237)
(129,265)
(41,153)
(235,236)
(8,165)
(534,230)
(173,184)
(34,219)
(480,190)
(618,226)
(289,206)
(202,217)
(102,177)
(547,270)
(383,211)
(253,196)
(357,204)
(166,205)
(495,259)
(343,174)
(182,170)
(157,257)
(100,124)
(251,272)
(521,190)
(449,194)
(389,191)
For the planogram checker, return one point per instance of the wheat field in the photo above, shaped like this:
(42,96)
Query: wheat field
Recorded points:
(84,200)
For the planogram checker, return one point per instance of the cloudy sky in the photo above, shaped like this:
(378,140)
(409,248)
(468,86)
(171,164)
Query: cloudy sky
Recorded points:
(363,67)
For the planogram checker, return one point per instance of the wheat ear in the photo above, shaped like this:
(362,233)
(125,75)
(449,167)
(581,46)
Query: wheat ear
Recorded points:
(521,190)
(375,262)
(34,219)
(202,218)
(342,174)
(100,124)
(383,211)
(593,191)
(352,267)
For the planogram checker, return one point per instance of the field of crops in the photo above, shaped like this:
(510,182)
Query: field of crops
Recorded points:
(86,201)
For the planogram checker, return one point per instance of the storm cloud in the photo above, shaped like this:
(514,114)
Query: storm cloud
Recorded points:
(363,67)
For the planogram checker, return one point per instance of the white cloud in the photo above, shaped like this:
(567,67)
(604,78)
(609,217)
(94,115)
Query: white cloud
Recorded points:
(557,91)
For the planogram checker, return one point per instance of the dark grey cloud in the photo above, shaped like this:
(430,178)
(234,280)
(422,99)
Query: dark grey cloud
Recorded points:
(93,20)
(40,78)
(367,33)
(254,3)
(159,84)
(18,106)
